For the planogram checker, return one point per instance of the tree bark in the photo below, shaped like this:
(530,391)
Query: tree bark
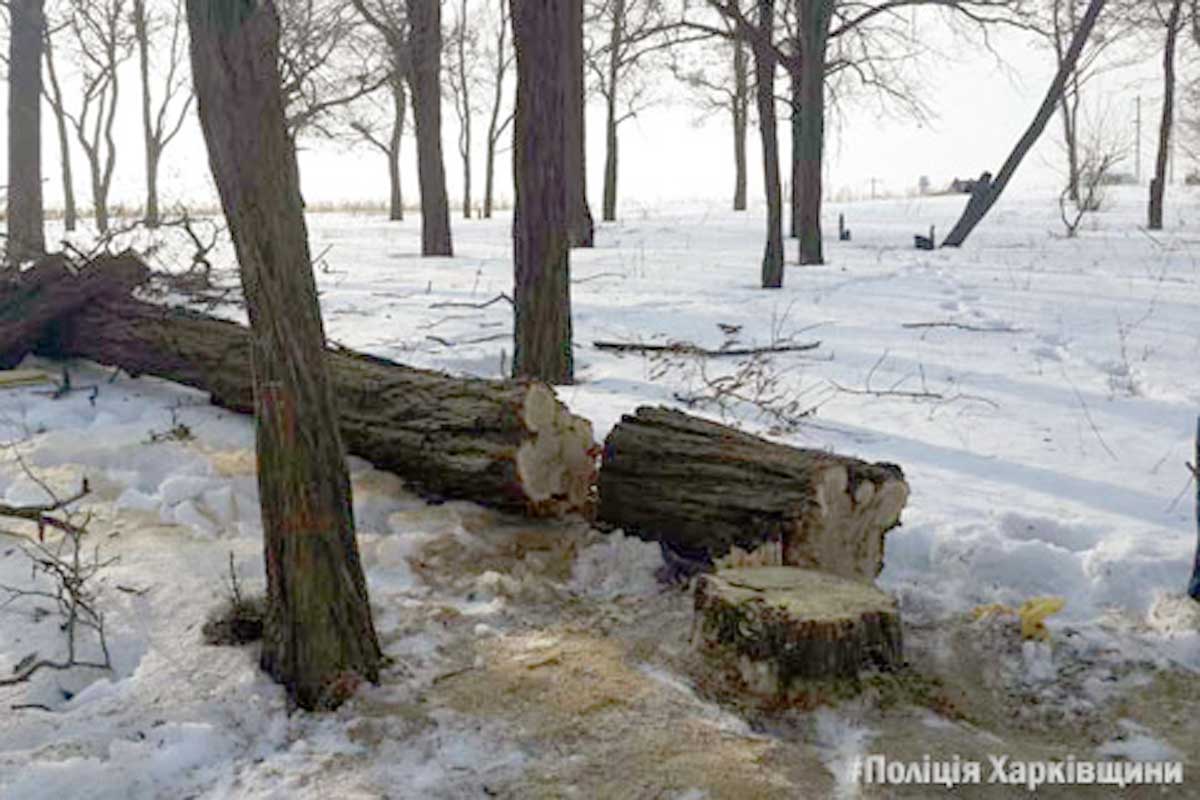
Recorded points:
(784,632)
(705,489)
(740,111)
(541,240)
(1158,186)
(55,98)
(610,108)
(815,19)
(25,214)
(425,42)
(982,202)
(764,66)
(582,227)
(319,639)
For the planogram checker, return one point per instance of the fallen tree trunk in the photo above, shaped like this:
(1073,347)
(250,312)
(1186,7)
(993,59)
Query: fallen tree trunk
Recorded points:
(52,288)
(505,444)
(709,491)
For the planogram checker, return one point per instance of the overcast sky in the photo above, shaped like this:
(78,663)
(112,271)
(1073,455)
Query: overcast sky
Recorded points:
(980,109)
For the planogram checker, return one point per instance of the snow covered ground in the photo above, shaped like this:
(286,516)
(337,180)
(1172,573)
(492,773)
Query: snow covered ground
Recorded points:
(1044,438)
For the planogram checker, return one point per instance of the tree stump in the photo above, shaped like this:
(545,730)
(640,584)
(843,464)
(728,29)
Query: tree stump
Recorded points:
(780,627)
(706,489)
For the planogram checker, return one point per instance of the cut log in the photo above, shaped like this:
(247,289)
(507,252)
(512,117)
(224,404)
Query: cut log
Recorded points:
(53,288)
(780,627)
(506,444)
(710,491)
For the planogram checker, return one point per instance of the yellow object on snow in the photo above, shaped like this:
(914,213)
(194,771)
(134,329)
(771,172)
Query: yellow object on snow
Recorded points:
(22,377)
(992,610)
(1033,611)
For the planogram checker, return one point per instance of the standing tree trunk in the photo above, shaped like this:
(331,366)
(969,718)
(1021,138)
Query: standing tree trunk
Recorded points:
(464,131)
(496,125)
(815,19)
(1068,102)
(1158,185)
(741,115)
(489,176)
(797,149)
(319,638)
(425,42)
(399,111)
(582,227)
(989,191)
(55,98)
(99,195)
(142,34)
(1194,583)
(764,68)
(26,216)
(1068,110)
(610,108)
(541,241)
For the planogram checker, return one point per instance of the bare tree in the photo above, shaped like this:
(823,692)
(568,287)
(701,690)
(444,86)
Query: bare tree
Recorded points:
(622,38)
(321,64)
(1100,147)
(102,41)
(319,638)
(462,81)
(161,121)
(1061,20)
(764,75)
(379,121)
(815,21)
(413,34)
(541,245)
(425,45)
(1172,21)
(721,86)
(54,97)
(988,191)
(500,115)
(863,43)
(26,216)
(582,226)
